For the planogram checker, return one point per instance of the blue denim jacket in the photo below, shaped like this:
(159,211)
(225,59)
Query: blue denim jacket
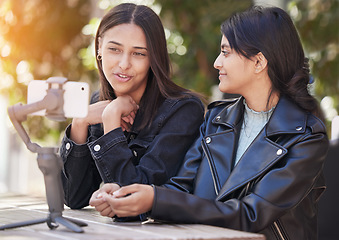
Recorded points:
(149,156)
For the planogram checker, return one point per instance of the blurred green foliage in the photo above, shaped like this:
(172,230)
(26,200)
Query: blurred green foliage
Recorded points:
(40,39)
(318,24)
(198,24)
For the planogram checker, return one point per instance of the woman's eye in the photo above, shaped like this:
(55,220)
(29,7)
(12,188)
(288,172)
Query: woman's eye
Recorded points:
(114,49)
(139,54)
(225,53)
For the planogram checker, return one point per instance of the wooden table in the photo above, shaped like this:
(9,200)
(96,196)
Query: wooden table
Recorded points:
(17,208)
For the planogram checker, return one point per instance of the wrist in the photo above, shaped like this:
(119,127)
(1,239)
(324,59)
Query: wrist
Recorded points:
(111,120)
(80,123)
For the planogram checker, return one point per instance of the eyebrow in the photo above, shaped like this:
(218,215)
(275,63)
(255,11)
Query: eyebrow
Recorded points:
(136,47)
(225,46)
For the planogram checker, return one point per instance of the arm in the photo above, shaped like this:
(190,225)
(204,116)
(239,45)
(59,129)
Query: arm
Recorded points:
(263,204)
(112,114)
(81,177)
(178,127)
(276,192)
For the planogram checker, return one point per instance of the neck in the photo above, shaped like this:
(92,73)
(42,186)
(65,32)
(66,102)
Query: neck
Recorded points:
(262,104)
(258,95)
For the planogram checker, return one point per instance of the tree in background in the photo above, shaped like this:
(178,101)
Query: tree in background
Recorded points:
(317,22)
(194,40)
(40,39)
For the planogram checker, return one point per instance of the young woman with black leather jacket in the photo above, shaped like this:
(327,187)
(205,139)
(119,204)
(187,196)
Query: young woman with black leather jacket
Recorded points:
(257,165)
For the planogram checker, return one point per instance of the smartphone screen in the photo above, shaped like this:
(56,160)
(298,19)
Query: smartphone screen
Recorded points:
(76,97)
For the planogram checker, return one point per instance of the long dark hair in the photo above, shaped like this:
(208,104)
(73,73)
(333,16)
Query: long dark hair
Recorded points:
(271,31)
(159,83)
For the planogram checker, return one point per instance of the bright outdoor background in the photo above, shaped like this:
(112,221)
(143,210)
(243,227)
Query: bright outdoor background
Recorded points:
(40,39)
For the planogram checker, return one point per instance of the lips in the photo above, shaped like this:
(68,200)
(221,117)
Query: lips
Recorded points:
(221,75)
(121,77)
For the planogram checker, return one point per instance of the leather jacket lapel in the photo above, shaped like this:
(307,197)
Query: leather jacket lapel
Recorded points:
(257,159)
(219,158)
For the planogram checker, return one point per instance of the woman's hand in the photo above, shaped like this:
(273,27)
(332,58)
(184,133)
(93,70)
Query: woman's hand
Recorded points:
(80,125)
(98,199)
(113,114)
(128,201)
(132,200)
(120,112)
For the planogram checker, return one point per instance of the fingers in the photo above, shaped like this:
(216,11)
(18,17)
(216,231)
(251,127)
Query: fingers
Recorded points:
(125,123)
(127,190)
(129,119)
(98,198)
(119,113)
(131,200)
(94,200)
(109,188)
(105,209)
(107,212)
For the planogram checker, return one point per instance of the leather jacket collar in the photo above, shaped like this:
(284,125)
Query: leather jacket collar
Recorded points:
(286,118)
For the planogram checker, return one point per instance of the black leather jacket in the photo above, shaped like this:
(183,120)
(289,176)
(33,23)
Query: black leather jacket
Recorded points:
(274,188)
(150,155)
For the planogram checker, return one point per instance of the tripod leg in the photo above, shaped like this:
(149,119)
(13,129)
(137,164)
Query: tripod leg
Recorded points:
(74,227)
(23,224)
(77,222)
(51,165)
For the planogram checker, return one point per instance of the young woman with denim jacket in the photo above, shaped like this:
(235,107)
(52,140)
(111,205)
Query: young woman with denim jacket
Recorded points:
(257,165)
(141,124)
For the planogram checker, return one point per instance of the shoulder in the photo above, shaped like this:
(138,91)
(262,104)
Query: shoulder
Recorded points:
(190,108)
(221,104)
(315,124)
(187,101)
(222,107)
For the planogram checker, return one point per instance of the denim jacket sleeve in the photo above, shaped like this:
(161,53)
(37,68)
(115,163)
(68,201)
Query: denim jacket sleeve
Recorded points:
(152,157)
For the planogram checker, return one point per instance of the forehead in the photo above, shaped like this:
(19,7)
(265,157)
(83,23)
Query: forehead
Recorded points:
(125,34)
(224,42)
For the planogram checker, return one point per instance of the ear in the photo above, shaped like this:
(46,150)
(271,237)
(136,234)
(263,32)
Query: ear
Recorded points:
(99,46)
(260,62)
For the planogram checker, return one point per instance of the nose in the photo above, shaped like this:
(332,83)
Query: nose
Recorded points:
(124,62)
(217,63)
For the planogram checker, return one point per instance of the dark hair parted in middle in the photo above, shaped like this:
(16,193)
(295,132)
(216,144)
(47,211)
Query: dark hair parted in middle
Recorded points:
(159,83)
(271,32)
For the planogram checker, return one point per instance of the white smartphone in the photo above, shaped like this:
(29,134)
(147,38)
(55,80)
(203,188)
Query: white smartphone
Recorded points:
(76,97)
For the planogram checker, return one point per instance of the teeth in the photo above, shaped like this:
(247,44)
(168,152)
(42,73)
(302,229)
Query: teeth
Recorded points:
(122,76)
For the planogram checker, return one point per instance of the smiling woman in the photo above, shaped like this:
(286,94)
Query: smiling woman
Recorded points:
(125,60)
(135,122)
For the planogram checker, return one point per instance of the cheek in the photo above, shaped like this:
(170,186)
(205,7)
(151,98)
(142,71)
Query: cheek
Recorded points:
(142,67)
(107,61)
(222,87)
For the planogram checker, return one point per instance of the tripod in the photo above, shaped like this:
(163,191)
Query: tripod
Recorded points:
(49,161)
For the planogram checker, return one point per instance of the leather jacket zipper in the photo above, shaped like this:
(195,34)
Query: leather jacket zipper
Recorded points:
(278,231)
(212,171)
(148,220)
